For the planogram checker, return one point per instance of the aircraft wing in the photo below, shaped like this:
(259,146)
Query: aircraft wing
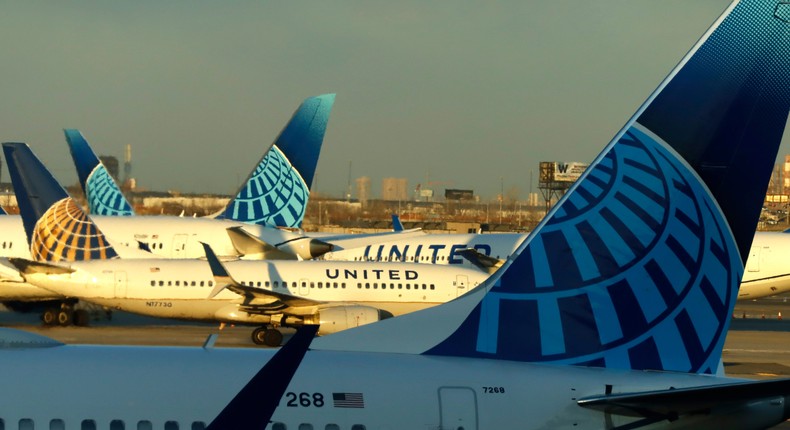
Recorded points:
(259,299)
(347,241)
(669,404)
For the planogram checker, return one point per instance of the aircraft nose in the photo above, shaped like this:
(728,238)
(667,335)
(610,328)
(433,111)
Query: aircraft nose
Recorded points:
(319,248)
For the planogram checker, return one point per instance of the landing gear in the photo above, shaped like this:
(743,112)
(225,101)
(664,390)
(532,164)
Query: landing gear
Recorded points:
(50,316)
(267,336)
(65,316)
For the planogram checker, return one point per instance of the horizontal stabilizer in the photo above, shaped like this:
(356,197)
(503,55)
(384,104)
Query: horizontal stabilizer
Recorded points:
(482,261)
(674,402)
(247,244)
(28,267)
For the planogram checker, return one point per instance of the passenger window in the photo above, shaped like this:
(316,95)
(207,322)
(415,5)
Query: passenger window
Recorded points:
(2,424)
(433,287)
(161,283)
(276,284)
(332,427)
(153,283)
(193,283)
(320,285)
(304,284)
(145,425)
(279,426)
(259,283)
(88,425)
(210,283)
(169,283)
(171,425)
(178,283)
(117,425)
(26,424)
(357,427)
(267,284)
(367,285)
(57,424)
(305,426)
(198,425)
(375,285)
(408,286)
(201,283)
(312,285)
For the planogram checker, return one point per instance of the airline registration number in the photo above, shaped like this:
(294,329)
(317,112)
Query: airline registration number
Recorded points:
(157,304)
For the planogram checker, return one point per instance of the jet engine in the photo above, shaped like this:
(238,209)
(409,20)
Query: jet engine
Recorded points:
(336,318)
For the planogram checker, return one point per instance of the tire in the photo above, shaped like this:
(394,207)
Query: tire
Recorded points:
(64,318)
(49,317)
(81,318)
(258,336)
(272,337)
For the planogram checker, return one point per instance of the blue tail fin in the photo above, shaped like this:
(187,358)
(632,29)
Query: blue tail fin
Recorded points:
(103,195)
(276,192)
(56,228)
(638,266)
(396,224)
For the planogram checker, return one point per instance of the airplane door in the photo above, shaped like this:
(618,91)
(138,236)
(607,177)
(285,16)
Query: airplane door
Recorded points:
(179,246)
(304,287)
(753,263)
(120,284)
(461,284)
(457,408)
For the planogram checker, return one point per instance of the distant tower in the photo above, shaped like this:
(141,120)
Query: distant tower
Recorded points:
(363,190)
(127,163)
(393,189)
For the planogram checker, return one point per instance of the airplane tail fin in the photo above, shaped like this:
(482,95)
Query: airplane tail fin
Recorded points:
(277,190)
(638,265)
(56,228)
(103,194)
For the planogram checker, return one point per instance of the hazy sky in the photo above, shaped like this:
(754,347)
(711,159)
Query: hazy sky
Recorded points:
(460,92)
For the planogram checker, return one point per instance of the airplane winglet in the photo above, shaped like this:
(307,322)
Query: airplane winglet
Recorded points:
(255,404)
(222,278)
(396,224)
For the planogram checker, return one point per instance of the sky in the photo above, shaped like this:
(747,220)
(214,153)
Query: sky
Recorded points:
(467,94)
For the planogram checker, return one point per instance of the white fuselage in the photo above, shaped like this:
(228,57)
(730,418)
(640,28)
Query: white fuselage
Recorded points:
(166,236)
(130,385)
(433,248)
(180,288)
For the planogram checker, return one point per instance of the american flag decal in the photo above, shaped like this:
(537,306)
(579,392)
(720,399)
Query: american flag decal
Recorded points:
(348,400)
